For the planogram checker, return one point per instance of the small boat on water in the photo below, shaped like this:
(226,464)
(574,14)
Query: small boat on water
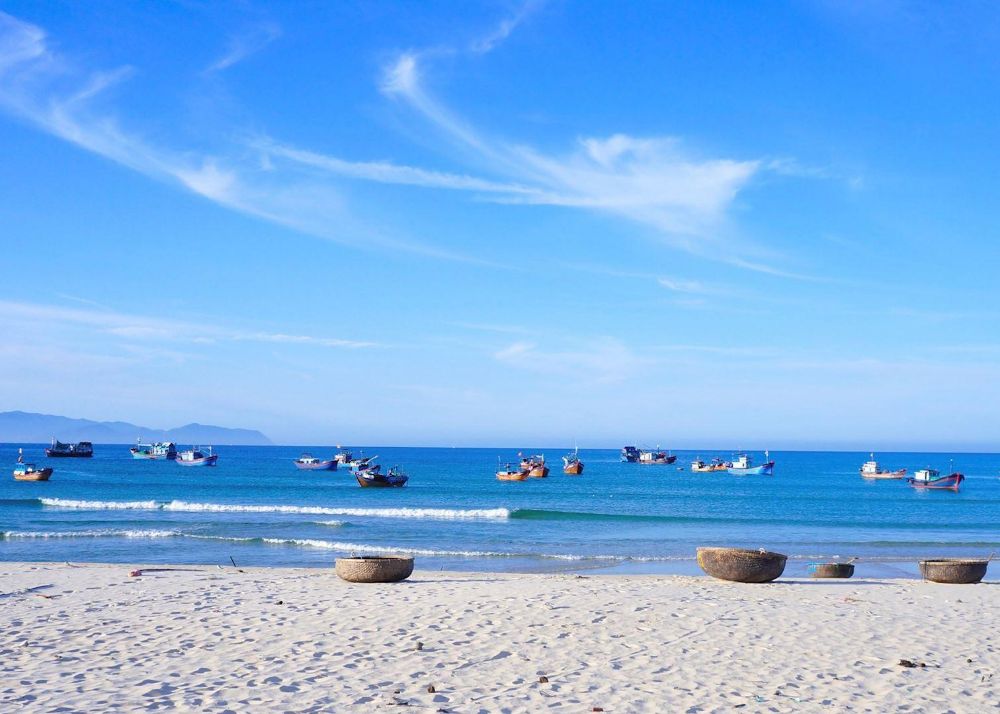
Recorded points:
(932,479)
(81,450)
(572,466)
(699,466)
(872,470)
(535,466)
(344,456)
(509,473)
(656,457)
(742,465)
(29,472)
(159,450)
(372,477)
(630,454)
(308,462)
(197,456)
(362,463)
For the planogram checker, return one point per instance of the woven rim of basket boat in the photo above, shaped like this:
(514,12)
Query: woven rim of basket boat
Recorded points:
(374,569)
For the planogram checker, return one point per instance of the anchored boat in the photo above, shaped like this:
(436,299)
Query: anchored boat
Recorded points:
(373,477)
(630,454)
(572,466)
(656,457)
(872,470)
(29,472)
(344,456)
(509,473)
(159,450)
(699,466)
(932,479)
(535,466)
(81,450)
(197,456)
(742,465)
(308,462)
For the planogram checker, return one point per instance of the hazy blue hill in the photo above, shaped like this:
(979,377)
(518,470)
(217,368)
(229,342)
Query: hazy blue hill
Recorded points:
(26,427)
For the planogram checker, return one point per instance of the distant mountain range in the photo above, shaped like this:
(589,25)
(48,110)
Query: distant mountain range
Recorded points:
(39,428)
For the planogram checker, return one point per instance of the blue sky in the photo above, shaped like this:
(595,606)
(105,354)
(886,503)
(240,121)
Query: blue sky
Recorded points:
(687,224)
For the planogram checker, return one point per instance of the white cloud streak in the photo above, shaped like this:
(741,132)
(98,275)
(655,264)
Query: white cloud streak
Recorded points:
(145,328)
(244,45)
(604,360)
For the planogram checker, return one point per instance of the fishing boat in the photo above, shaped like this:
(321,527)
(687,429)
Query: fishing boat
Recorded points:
(932,479)
(742,465)
(630,454)
(29,472)
(197,456)
(509,473)
(535,466)
(344,456)
(81,450)
(308,462)
(572,466)
(361,464)
(372,477)
(699,466)
(656,457)
(872,470)
(159,450)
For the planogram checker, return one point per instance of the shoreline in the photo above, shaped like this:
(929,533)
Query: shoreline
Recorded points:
(90,637)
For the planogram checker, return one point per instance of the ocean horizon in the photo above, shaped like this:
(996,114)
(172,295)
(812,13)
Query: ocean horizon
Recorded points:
(257,509)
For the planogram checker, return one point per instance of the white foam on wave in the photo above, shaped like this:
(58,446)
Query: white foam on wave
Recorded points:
(430,552)
(100,505)
(331,524)
(188,507)
(99,533)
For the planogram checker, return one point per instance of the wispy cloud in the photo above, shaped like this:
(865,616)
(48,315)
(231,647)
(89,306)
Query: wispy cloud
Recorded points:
(245,44)
(49,92)
(603,360)
(136,327)
(490,41)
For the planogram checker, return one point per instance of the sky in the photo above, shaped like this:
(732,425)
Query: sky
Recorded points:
(730,225)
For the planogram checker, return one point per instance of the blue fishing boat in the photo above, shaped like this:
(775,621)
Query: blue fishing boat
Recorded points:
(29,472)
(630,454)
(932,479)
(158,451)
(197,456)
(742,465)
(308,462)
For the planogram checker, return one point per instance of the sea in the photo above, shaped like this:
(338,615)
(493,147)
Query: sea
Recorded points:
(256,509)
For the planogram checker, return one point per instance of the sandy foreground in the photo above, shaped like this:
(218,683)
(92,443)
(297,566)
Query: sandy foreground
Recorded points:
(195,638)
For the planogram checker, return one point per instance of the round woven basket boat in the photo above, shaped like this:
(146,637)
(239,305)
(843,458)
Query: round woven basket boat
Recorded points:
(954,570)
(742,566)
(831,570)
(381,569)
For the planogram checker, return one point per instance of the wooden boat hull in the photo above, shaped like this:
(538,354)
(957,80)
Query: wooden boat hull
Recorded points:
(574,469)
(742,566)
(950,482)
(538,471)
(954,570)
(831,570)
(319,466)
(39,475)
(512,475)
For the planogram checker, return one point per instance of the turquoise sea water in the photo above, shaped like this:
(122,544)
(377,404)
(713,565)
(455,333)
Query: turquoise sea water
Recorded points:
(258,509)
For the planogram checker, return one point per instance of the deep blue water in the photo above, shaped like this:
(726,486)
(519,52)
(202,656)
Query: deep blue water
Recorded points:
(258,509)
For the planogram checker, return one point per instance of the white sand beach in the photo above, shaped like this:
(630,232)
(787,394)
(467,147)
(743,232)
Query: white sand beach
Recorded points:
(92,638)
